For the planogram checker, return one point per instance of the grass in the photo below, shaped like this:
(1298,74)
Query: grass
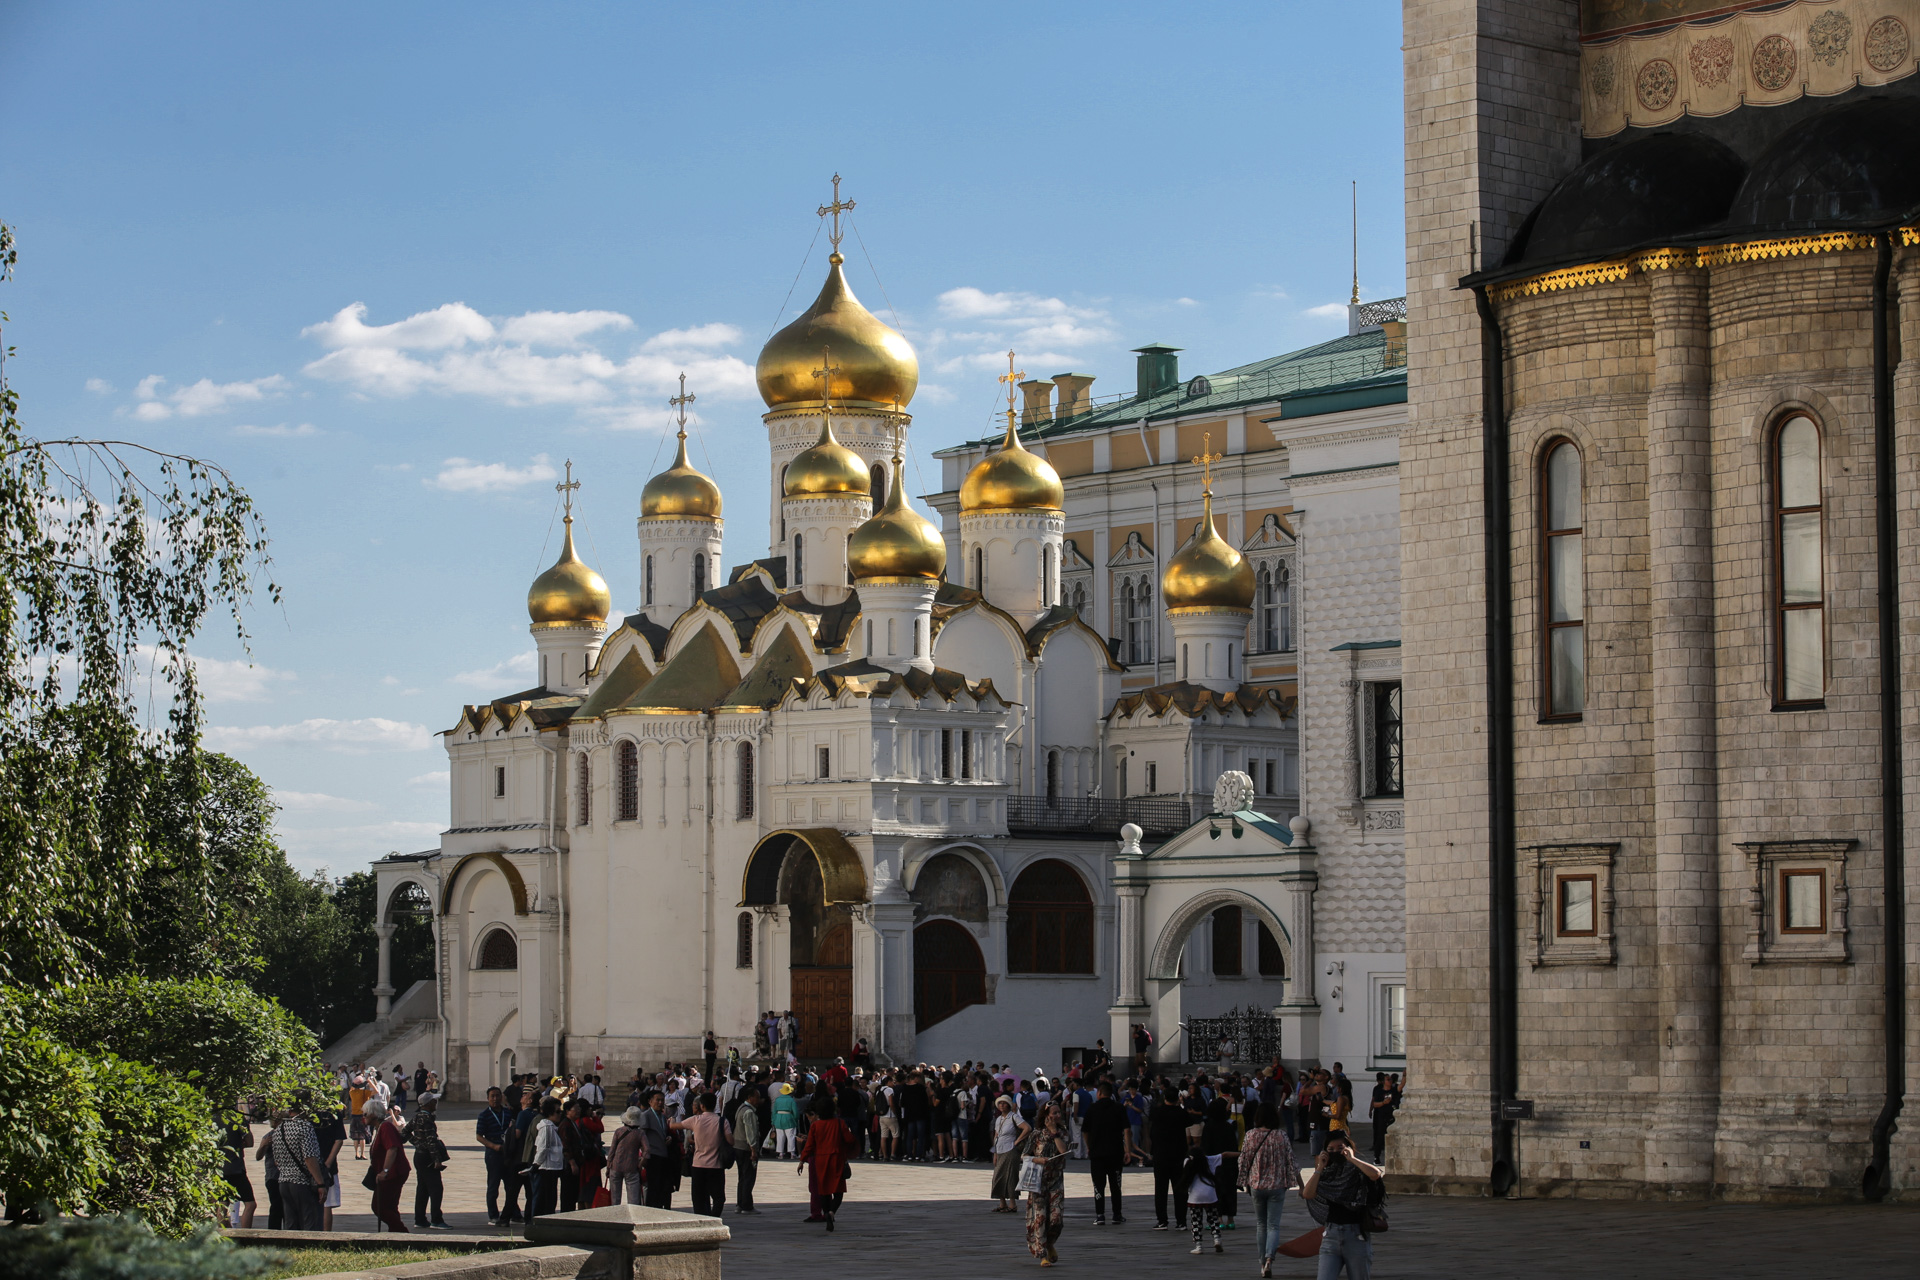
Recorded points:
(318,1262)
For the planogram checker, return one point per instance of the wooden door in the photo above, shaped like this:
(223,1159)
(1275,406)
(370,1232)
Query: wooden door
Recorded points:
(823,996)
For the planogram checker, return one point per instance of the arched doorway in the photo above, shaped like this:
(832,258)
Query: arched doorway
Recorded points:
(949,973)
(820,942)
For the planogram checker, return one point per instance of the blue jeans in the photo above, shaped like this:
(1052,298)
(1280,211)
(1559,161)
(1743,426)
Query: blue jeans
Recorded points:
(1266,1220)
(1342,1246)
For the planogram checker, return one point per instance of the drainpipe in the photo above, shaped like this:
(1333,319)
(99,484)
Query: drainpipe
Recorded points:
(1154,460)
(706,897)
(1878,1179)
(560,890)
(1503,1010)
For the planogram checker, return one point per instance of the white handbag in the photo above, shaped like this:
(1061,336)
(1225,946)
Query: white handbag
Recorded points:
(1030,1176)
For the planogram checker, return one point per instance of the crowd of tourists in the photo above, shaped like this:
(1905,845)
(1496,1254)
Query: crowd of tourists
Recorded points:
(1210,1141)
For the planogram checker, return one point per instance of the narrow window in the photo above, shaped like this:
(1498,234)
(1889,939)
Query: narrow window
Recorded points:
(543,671)
(1800,665)
(1269,611)
(1383,724)
(499,781)
(1803,901)
(1564,656)
(1393,1018)
(869,637)
(890,649)
(1270,790)
(649,582)
(744,781)
(585,803)
(946,753)
(743,941)
(1574,909)
(627,757)
(980,569)
(1053,779)
(799,573)
(699,575)
(966,753)
(1227,961)
(1153,778)
(877,483)
(823,762)
(1183,662)
(1123,779)
(1284,590)
(1272,963)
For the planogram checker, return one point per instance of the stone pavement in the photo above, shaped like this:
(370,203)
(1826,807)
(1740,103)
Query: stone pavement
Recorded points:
(903,1217)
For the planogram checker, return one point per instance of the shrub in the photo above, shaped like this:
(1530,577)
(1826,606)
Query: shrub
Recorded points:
(122,1248)
(51,1136)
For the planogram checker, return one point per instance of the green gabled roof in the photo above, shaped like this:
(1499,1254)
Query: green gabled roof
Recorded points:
(1349,371)
(784,662)
(627,678)
(694,679)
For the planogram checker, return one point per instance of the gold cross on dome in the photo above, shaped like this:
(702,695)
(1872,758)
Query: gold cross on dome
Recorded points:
(681,402)
(1206,460)
(825,373)
(837,208)
(566,488)
(1011,377)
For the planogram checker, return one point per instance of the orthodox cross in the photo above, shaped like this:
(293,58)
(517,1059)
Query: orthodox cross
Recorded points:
(565,489)
(1011,377)
(837,208)
(825,373)
(1206,460)
(681,402)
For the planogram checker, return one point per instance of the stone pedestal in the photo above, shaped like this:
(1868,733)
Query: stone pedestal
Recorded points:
(657,1244)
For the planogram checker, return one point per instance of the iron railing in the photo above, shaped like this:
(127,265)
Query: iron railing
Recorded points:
(1240,1035)
(1063,816)
(1385,311)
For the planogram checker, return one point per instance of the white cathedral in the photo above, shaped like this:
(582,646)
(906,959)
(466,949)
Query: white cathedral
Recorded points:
(957,821)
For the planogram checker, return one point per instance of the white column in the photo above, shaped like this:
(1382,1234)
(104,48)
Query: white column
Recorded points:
(1300,1010)
(383,989)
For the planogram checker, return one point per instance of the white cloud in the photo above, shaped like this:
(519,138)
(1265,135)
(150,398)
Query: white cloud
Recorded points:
(156,403)
(1042,331)
(222,680)
(519,667)
(463,475)
(1186,302)
(100,386)
(318,802)
(355,737)
(282,431)
(1327,311)
(437,778)
(538,358)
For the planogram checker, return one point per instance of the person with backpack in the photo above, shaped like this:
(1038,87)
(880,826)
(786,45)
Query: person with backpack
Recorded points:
(430,1157)
(1348,1192)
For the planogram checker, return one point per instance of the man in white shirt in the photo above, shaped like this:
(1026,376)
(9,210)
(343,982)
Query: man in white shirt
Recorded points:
(592,1094)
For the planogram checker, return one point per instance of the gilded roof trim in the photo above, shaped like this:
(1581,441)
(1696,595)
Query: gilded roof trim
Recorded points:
(1713,255)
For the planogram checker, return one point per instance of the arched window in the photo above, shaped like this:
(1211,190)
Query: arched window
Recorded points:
(1049,921)
(1269,605)
(799,571)
(1080,598)
(949,972)
(1136,602)
(498,950)
(743,802)
(1799,595)
(1273,964)
(743,941)
(1227,961)
(699,575)
(877,482)
(1053,779)
(649,580)
(1283,587)
(627,756)
(585,803)
(1563,654)
(980,569)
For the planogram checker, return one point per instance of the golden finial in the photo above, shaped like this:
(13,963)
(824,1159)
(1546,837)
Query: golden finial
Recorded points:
(681,402)
(566,489)
(1205,461)
(1011,377)
(837,208)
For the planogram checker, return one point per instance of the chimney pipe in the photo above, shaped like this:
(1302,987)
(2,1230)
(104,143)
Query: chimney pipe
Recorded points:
(1073,398)
(1158,369)
(1037,408)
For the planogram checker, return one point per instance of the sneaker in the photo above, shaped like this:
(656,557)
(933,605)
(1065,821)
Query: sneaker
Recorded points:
(1195,1250)
(1099,1222)
(493,1221)
(1218,1247)
(1117,1219)
(1159,1226)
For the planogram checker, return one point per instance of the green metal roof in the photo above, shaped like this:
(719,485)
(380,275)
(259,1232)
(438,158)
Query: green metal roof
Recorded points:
(1345,373)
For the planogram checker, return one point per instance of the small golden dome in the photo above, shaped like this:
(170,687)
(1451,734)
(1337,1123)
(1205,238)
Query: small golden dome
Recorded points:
(827,467)
(1207,573)
(873,364)
(899,542)
(681,491)
(1012,479)
(569,591)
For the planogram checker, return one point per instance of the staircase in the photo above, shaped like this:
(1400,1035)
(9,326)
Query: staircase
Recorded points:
(409,1034)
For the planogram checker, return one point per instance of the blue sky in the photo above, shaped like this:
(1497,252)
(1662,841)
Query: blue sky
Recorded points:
(392,264)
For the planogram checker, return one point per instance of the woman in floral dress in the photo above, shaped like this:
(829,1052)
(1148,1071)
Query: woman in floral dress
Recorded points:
(1048,1143)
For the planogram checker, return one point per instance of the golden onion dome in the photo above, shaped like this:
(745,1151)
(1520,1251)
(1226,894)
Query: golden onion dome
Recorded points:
(827,467)
(569,591)
(1012,479)
(681,491)
(1207,573)
(872,363)
(899,542)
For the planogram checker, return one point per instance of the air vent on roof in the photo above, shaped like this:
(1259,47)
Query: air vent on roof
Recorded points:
(1199,387)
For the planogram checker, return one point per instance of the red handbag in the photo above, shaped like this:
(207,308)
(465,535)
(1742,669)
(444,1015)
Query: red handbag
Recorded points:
(602,1198)
(1305,1246)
